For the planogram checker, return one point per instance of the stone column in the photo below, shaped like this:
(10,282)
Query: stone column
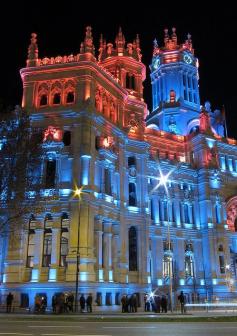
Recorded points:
(38,255)
(107,251)
(115,251)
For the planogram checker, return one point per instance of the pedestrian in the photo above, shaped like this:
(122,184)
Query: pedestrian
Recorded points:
(163,304)
(157,303)
(82,301)
(89,303)
(9,302)
(54,301)
(181,299)
(123,302)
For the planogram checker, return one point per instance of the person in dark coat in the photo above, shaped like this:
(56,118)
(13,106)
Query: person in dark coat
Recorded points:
(89,303)
(9,302)
(158,304)
(181,299)
(123,302)
(163,304)
(82,302)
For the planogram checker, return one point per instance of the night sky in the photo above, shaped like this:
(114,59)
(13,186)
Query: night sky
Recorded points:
(61,28)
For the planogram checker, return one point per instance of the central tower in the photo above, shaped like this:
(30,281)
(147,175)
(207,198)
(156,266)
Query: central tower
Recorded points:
(175,93)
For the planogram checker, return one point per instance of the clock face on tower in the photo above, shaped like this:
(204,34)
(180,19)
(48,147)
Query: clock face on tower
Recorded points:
(156,63)
(187,59)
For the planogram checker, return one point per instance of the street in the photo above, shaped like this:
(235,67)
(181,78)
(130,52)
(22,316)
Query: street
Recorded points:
(71,328)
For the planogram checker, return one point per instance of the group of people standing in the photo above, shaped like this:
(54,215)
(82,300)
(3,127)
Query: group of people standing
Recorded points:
(157,304)
(62,303)
(129,303)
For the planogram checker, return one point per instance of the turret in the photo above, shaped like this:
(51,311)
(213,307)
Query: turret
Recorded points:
(175,93)
(124,63)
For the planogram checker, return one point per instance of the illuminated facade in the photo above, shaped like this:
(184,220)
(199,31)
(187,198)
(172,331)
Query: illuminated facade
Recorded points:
(98,135)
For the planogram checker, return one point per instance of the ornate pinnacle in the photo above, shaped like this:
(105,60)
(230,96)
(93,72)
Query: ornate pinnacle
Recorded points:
(137,41)
(120,40)
(155,47)
(166,37)
(88,41)
(174,36)
(32,51)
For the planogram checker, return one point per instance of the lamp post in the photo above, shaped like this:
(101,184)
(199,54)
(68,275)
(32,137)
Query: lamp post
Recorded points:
(77,193)
(163,180)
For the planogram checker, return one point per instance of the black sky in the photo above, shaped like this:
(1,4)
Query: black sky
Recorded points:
(60,28)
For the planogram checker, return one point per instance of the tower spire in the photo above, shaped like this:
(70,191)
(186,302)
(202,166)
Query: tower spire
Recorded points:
(174,36)
(88,41)
(32,51)
(120,41)
(155,47)
(166,36)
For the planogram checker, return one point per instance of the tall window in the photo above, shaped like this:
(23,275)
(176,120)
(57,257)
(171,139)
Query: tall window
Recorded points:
(50,174)
(43,100)
(131,161)
(67,138)
(31,245)
(70,97)
(165,204)
(167,265)
(132,238)
(47,248)
(217,210)
(64,247)
(57,98)
(189,265)
(132,194)
(186,215)
(130,81)
(152,209)
(222,264)
(108,190)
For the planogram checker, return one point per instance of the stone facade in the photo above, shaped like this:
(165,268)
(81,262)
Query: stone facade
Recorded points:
(128,231)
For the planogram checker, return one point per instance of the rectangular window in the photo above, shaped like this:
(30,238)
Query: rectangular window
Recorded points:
(50,174)
(222,264)
(31,247)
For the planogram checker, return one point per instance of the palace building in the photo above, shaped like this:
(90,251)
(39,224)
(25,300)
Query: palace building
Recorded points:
(136,200)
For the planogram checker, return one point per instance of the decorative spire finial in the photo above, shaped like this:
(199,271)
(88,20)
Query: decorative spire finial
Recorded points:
(88,41)
(166,37)
(32,51)
(156,49)
(137,41)
(174,36)
(120,41)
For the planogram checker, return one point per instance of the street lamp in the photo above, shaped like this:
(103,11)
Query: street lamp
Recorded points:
(77,193)
(163,180)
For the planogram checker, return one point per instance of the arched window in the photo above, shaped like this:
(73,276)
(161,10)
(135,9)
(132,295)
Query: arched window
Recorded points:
(132,194)
(67,138)
(57,98)
(189,265)
(132,237)
(47,250)
(70,97)
(64,247)
(43,100)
